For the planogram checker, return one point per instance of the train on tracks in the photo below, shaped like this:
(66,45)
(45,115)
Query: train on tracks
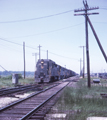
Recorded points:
(48,71)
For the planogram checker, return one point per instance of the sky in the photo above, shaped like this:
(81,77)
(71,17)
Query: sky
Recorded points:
(52,25)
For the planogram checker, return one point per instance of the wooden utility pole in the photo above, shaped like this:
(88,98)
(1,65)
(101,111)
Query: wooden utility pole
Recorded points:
(98,41)
(39,52)
(47,54)
(86,31)
(87,49)
(24,57)
(80,66)
(83,61)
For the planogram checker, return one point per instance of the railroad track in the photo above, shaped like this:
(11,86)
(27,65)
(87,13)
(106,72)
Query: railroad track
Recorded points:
(22,89)
(8,91)
(33,107)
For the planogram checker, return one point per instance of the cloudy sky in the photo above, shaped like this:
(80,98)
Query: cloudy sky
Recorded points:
(51,24)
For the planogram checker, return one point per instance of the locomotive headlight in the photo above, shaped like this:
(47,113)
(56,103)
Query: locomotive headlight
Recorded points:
(42,62)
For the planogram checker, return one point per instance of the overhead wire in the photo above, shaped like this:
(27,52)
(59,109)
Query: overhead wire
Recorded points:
(104,8)
(10,48)
(34,48)
(5,69)
(101,22)
(44,33)
(25,20)
(62,56)
(16,43)
(50,31)
(10,41)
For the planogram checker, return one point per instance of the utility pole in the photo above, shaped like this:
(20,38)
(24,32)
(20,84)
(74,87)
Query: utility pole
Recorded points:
(80,66)
(47,54)
(98,41)
(86,30)
(24,57)
(39,52)
(83,61)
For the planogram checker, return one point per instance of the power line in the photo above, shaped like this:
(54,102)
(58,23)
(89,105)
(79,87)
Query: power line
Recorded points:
(5,69)
(16,43)
(25,20)
(10,41)
(62,56)
(36,48)
(50,31)
(101,22)
(11,48)
(104,8)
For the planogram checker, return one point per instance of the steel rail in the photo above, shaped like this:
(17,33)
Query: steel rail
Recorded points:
(19,101)
(5,89)
(43,103)
(16,90)
(13,90)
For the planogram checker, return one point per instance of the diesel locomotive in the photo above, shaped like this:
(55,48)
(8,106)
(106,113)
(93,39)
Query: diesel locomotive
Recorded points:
(48,71)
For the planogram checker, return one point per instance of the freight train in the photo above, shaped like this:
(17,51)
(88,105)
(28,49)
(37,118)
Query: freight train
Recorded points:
(48,71)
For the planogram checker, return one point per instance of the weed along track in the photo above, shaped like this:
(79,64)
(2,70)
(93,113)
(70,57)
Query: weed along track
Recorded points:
(32,107)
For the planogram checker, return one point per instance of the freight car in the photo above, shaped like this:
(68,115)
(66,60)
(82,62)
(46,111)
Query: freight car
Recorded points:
(48,71)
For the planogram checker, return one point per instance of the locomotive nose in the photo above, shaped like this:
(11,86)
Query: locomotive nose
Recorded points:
(42,76)
(41,73)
